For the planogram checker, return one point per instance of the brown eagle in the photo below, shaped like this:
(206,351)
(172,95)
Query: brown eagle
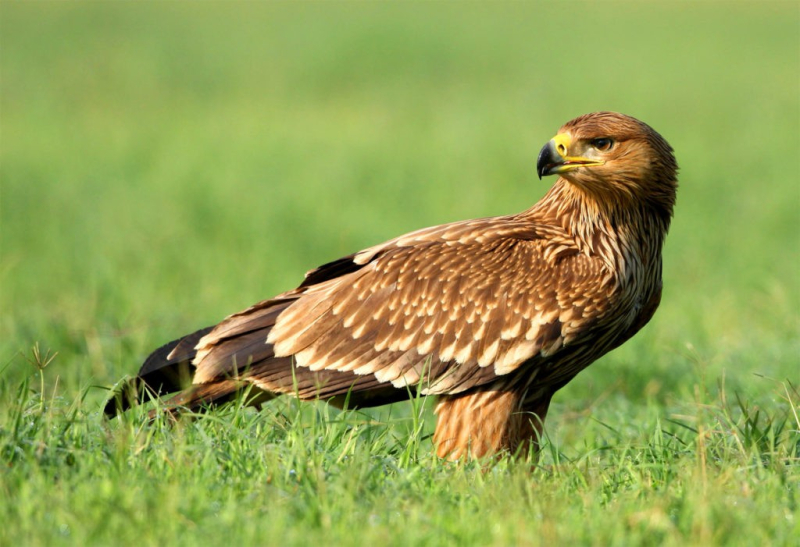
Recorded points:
(492,316)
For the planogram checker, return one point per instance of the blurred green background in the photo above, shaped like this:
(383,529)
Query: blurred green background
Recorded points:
(166,164)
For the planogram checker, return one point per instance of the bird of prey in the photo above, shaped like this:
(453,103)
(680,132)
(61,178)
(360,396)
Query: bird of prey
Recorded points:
(492,316)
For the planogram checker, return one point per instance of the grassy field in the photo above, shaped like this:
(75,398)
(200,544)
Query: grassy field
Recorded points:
(165,164)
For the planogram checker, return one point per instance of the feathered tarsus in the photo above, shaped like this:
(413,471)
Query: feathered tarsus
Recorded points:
(492,315)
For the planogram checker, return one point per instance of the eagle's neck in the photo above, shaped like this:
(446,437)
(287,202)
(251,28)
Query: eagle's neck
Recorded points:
(627,235)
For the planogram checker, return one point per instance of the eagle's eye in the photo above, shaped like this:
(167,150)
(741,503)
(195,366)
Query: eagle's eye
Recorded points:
(603,144)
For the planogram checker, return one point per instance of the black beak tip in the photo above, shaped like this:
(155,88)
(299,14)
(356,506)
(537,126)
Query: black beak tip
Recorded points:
(544,160)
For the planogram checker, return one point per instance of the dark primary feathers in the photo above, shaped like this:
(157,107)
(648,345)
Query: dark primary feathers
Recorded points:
(492,315)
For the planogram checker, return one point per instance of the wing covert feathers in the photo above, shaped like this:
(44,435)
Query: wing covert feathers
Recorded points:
(449,308)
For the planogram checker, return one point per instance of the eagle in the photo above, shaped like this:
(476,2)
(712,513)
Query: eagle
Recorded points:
(491,316)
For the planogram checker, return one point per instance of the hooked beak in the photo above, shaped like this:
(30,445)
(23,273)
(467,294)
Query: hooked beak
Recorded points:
(554,158)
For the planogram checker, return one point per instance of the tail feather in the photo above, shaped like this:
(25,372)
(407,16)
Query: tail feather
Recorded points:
(166,370)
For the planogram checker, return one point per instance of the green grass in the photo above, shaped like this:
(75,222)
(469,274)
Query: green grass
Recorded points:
(163,165)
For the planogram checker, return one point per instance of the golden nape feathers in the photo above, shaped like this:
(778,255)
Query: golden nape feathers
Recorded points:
(492,316)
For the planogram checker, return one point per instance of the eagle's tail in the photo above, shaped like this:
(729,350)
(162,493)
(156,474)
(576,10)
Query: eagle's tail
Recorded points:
(167,370)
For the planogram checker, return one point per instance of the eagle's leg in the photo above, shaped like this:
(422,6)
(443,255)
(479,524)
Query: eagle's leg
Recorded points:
(488,421)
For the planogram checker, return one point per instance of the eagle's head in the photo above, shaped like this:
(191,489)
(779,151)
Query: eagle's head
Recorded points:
(613,158)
